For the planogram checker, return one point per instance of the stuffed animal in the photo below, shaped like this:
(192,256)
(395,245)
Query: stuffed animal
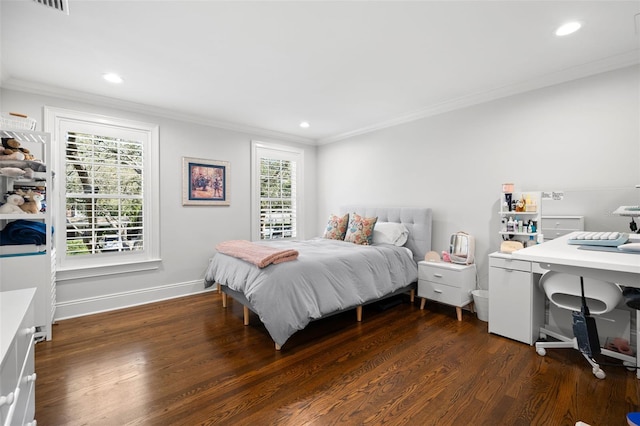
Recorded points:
(32,201)
(14,201)
(10,155)
(12,172)
(11,147)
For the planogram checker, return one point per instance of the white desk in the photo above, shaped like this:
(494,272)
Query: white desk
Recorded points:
(557,255)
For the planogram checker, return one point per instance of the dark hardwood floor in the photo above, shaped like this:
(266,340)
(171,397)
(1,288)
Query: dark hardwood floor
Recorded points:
(188,361)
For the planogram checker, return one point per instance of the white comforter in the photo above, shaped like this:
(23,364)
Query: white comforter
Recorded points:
(327,277)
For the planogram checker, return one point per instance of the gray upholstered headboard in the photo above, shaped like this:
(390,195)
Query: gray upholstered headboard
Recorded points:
(417,220)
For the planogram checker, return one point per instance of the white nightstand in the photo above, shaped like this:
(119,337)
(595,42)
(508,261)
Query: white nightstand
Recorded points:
(447,283)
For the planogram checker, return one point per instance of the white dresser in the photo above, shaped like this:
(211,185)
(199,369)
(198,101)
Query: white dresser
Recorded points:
(557,226)
(17,346)
(447,283)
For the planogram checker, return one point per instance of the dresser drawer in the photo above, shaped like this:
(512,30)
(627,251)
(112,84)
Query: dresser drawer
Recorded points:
(23,411)
(575,223)
(443,293)
(551,233)
(9,382)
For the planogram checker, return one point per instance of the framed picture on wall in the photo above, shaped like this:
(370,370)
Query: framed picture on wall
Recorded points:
(205,182)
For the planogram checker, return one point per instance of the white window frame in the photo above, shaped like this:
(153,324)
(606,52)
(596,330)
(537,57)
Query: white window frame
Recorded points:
(280,152)
(56,122)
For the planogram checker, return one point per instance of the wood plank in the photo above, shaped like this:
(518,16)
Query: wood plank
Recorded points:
(191,361)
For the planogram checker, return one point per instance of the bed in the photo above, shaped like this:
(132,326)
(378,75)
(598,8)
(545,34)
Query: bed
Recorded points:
(328,277)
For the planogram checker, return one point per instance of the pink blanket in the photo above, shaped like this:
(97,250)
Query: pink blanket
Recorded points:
(258,254)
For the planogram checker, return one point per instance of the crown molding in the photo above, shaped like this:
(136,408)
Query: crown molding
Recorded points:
(574,73)
(99,100)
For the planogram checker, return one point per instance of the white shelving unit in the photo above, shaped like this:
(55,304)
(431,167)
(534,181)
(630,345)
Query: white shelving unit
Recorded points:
(531,213)
(31,265)
(516,303)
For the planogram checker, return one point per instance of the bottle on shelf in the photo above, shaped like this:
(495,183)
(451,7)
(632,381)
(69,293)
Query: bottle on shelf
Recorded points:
(510,225)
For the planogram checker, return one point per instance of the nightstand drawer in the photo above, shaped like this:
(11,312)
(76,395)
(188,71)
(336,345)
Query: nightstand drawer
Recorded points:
(450,274)
(443,293)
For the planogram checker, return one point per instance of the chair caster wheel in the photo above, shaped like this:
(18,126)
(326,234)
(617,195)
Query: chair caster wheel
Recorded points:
(599,373)
(541,351)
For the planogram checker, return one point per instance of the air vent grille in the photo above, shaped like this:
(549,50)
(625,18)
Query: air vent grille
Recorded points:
(61,5)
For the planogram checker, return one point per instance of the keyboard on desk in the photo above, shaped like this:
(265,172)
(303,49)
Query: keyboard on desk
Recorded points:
(607,239)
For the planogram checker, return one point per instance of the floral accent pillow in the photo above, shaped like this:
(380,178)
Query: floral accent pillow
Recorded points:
(360,230)
(336,227)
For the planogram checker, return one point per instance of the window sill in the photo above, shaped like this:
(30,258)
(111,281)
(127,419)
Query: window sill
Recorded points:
(106,270)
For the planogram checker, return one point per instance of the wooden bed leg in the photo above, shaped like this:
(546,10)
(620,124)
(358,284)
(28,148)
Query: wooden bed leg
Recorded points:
(459,313)
(359,313)
(278,347)
(246,315)
(219,288)
(224,300)
(422,302)
(413,295)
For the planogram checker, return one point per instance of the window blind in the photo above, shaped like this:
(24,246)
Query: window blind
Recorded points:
(104,194)
(278,215)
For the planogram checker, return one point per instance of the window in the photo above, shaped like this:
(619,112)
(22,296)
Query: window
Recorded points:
(276,192)
(106,192)
(103,194)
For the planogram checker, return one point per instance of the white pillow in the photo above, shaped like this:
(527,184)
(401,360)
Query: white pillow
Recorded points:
(390,233)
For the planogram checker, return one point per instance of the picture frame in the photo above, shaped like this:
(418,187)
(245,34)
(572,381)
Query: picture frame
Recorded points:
(205,182)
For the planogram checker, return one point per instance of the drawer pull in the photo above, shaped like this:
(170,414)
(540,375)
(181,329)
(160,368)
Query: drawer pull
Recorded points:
(436,290)
(31,377)
(6,400)
(437,275)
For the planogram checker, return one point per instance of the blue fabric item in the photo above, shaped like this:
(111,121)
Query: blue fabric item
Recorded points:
(633,418)
(23,232)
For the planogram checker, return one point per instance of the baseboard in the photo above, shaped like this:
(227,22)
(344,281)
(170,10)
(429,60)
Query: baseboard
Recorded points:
(111,302)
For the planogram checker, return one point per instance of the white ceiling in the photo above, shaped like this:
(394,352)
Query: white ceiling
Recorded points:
(346,67)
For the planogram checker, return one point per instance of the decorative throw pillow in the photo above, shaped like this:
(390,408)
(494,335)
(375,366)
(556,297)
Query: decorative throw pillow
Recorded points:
(336,227)
(360,230)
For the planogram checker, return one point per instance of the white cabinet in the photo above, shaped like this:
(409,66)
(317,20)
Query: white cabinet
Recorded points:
(17,370)
(447,283)
(516,303)
(28,260)
(557,226)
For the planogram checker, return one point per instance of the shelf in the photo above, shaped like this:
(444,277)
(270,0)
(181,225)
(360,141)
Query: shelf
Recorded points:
(22,250)
(26,216)
(533,234)
(514,213)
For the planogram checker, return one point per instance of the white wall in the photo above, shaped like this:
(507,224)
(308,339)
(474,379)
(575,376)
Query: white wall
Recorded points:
(188,234)
(581,137)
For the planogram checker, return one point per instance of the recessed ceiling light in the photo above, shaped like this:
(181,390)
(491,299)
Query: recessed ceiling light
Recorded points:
(304,125)
(568,28)
(112,77)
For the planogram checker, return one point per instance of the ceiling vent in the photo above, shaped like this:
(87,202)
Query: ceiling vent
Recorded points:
(61,5)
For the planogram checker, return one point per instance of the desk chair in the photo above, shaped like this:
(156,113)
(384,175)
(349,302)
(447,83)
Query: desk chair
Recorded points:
(565,291)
